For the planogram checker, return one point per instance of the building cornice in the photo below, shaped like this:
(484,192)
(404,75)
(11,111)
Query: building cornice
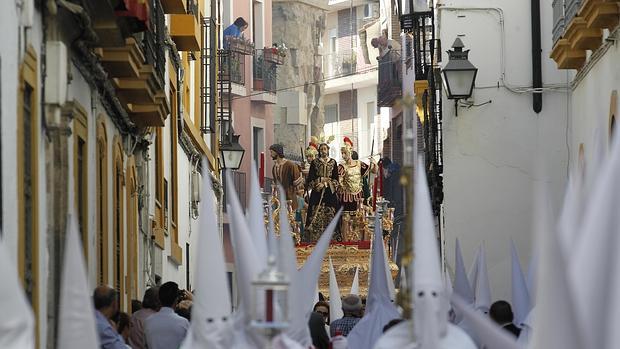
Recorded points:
(321,4)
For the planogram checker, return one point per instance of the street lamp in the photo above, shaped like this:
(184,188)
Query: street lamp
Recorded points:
(231,152)
(459,75)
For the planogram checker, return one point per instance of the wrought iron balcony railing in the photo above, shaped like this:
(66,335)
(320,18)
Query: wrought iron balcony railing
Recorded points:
(265,70)
(233,68)
(154,40)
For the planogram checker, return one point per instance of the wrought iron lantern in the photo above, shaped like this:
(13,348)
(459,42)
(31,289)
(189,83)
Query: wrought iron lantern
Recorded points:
(270,303)
(231,152)
(459,74)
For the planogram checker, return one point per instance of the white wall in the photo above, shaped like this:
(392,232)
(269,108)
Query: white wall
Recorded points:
(8,104)
(491,152)
(590,102)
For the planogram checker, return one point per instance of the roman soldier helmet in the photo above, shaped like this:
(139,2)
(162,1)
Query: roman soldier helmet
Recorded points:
(313,147)
(347,145)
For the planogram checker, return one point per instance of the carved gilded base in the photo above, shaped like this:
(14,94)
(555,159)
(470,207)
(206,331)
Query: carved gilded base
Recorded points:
(346,257)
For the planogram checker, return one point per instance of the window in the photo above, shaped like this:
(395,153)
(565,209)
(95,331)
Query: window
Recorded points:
(331,113)
(258,144)
(28,189)
(160,224)
(28,129)
(348,104)
(102,205)
(80,171)
(333,43)
(258,24)
(369,10)
(118,221)
(371,112)
(176,253)
(131,285)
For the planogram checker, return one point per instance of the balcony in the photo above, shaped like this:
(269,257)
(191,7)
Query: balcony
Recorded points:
(265,76)
(174,6)
(185,32)
(578,28)
(339,64)
(233,70)
(390,84)
(136,70)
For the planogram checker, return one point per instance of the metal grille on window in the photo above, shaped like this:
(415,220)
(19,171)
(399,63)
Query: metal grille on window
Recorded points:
(117,223)
(101,241)
(28,194)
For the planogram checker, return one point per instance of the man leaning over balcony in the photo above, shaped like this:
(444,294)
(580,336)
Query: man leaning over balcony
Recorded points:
(235,30)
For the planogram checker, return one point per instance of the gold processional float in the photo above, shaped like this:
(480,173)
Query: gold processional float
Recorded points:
(357,230)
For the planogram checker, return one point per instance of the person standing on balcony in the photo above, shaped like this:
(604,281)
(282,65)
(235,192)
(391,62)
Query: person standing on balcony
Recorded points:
(235,30)
(287,174)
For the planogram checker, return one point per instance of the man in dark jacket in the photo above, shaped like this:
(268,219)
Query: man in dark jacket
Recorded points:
(501,313)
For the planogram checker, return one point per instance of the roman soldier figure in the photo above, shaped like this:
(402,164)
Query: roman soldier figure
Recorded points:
(351,173)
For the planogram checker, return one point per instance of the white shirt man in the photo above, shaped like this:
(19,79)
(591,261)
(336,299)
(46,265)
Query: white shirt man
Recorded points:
(165,329)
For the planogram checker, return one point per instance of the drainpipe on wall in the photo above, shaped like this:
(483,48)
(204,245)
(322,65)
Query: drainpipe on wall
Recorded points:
(537,102)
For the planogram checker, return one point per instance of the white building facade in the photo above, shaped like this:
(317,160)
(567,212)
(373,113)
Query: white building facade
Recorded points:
(498,150)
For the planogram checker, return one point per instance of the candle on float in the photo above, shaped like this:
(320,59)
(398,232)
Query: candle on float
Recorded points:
(269,306)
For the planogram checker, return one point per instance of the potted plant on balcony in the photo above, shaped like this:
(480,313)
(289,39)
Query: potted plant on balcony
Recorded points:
(276,54)
(240,45)
(259,70)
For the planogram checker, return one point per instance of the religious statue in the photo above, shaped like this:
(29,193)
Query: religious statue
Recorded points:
(351,173)
(287,174)
(311,153)
(322,181)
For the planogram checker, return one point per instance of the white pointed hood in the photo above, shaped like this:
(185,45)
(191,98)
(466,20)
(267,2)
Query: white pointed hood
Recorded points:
(304,283)
(521,305)
(555,316)
(76,321)
(379,308)
(335,302)
(17,321)
(594,258)
(487,332)
(531,276)
(472,276)
(483,288)
(388,274)
(429,295)
(462,287)
(256,217)
(211,310)
(247,268)
(355,286)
